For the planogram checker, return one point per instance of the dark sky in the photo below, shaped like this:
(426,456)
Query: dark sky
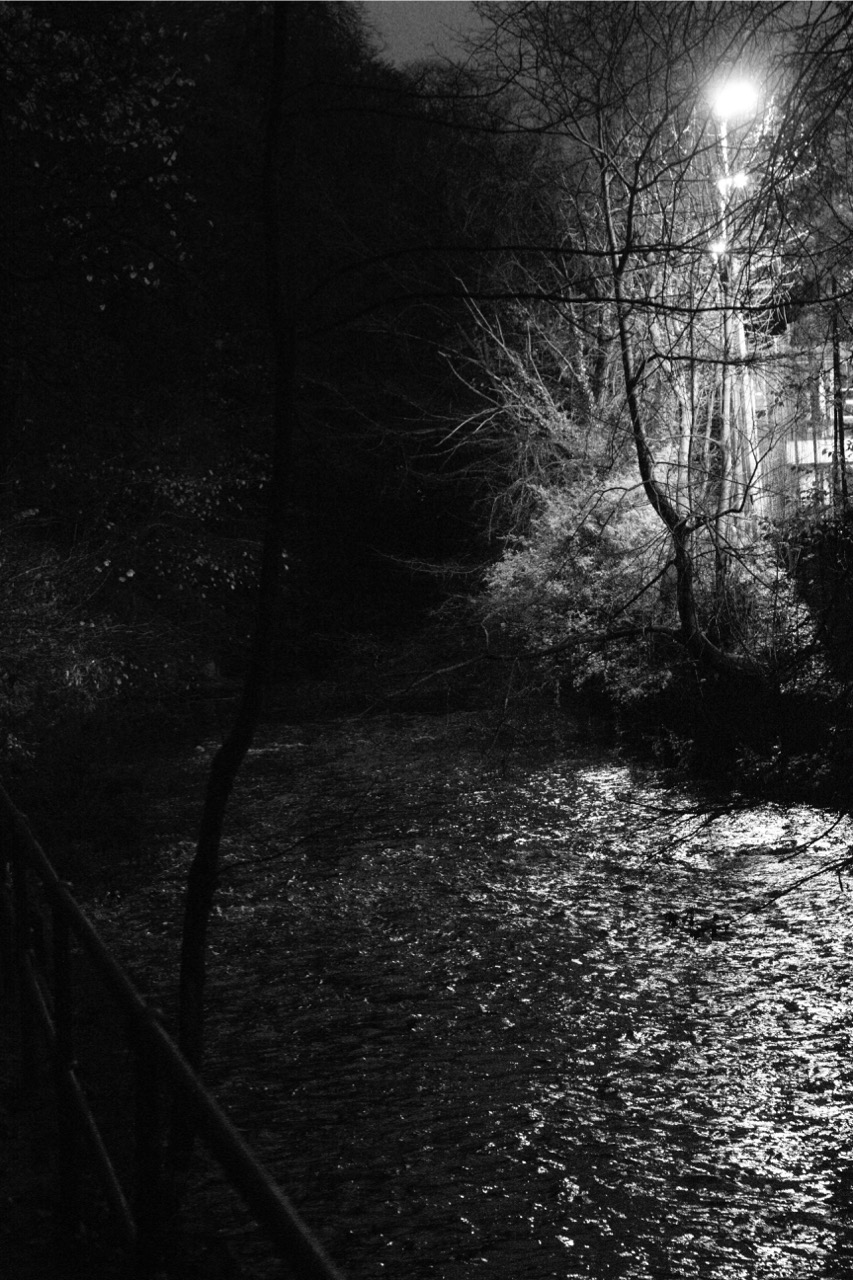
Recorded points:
(410,30)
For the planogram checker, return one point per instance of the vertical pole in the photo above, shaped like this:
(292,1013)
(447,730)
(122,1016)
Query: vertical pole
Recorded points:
(741,482)
(753,462)
(840,488)
(726,450)
(26,1013)
(68,1209)
(725,286)
(149,1204)
(7,921)
(818,424)
(724,519)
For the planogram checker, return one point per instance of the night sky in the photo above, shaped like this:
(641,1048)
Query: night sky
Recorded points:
(411,31)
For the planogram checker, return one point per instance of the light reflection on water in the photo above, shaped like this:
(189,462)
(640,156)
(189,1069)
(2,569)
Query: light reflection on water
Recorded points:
(705,1103)
(494,1046)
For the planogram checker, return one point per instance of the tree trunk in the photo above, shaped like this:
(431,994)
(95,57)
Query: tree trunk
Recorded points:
(204,871)
(693,635)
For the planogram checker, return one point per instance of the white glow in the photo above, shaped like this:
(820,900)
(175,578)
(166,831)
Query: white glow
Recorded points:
(734,98)
(736,182)
(718,248)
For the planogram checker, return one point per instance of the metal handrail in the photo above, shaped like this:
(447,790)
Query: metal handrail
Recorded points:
(49,1004)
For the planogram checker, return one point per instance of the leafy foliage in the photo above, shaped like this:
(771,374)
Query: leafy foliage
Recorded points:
(61,657)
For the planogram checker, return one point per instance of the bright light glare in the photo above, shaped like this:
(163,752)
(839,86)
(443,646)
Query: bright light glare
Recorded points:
(736,182)
(718,248)
(734,98)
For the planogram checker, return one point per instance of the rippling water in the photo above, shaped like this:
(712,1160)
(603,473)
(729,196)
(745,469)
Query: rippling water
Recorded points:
(700,1124)
(482,1026)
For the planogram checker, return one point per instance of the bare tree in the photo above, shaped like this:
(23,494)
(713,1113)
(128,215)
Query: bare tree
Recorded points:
(666,264)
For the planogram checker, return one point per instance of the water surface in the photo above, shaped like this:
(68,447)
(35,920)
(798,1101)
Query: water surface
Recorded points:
(472,1024)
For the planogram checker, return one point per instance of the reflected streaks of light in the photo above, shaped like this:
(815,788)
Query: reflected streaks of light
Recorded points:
(687,1097)
(742,1134)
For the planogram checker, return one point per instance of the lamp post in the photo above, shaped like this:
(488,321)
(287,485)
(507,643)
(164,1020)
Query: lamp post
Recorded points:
(733,99)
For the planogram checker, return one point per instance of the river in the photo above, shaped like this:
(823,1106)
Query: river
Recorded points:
(483,1022)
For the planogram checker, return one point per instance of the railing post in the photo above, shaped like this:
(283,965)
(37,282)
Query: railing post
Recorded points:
(68,1210)
(7,931)
(149,1203)
(42,961)
(22,951)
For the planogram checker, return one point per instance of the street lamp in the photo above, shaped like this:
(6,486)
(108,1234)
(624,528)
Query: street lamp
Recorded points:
(733,99)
